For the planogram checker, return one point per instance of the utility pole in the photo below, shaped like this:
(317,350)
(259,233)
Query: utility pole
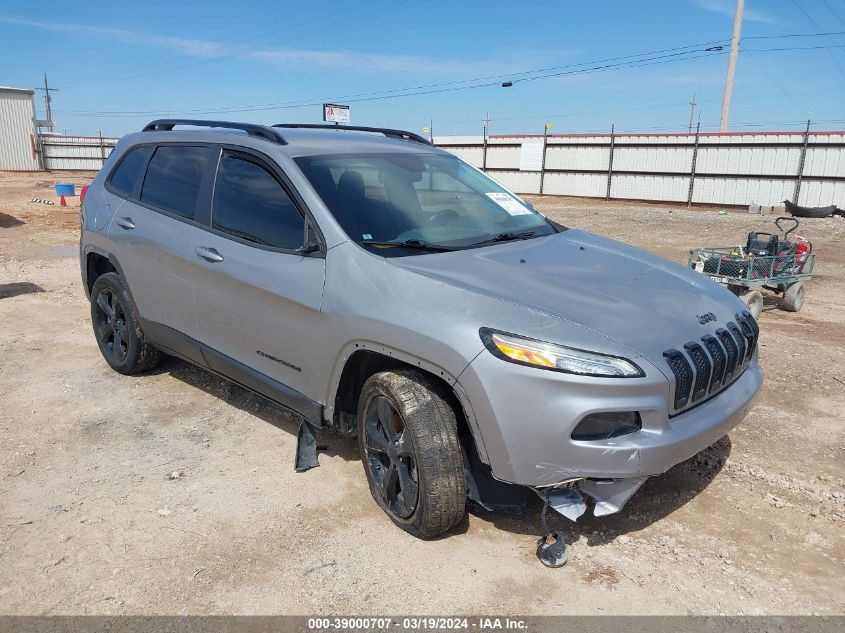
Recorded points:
(47,99)
(729,80)
(431,131)
(800,176)
(691,113)
(486,122)
(546,129)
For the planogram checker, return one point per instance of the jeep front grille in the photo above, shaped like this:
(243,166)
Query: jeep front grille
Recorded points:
(683,376)
(741,343)
(750,330)
(717,353)
(712,363)
(702,366)
(730,348)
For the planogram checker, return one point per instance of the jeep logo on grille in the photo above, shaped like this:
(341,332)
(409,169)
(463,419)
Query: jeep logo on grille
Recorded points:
(705,318)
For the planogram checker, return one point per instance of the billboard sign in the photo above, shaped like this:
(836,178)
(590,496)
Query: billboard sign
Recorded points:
(336,113)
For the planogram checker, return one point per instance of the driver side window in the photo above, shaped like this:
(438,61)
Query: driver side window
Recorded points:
(251,204)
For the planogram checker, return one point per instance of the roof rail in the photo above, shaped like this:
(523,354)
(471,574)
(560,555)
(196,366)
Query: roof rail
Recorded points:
(260,131)
(401,134)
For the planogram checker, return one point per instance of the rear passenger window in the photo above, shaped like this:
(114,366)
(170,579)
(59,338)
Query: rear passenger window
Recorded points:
(173,178)
(123,178)
(249,203)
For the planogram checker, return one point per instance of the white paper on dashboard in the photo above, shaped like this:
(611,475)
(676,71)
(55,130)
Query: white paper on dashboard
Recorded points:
(509,203)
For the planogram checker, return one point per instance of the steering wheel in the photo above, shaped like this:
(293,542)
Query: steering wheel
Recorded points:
(444,217)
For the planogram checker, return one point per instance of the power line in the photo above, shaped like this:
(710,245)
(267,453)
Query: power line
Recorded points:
(816,24)
(430,86)
(680,53)
(792,48)
(599,66)
(834,12)
(714,126)
(47,101)
(555,117)
(777,37)
(775,81)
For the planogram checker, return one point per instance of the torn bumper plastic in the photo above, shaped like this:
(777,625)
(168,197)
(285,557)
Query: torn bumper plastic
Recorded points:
(610,496)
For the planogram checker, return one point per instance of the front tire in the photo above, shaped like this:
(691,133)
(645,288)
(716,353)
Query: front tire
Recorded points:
(793,298)
(117,328)
(754,300)
(408,439)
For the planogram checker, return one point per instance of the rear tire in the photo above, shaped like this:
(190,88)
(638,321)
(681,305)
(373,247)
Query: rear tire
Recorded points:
(754,300)
(117,329)
(793,297)
(408,438)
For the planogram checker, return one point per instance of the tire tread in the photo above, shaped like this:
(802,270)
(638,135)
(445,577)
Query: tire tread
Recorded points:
(431,419)
(148,356)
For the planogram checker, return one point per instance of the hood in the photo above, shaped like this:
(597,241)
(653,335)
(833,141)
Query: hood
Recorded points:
(643,302)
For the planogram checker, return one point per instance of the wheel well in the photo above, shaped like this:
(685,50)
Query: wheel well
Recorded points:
(364,363)
(97,265)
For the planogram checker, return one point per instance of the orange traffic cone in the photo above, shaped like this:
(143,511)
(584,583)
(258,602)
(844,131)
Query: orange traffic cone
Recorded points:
(62,202)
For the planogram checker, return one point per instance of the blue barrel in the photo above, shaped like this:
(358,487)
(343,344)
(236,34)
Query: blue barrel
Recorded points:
(65,189)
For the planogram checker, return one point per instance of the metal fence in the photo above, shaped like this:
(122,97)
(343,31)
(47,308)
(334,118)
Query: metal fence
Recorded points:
(737,168)
(74,152)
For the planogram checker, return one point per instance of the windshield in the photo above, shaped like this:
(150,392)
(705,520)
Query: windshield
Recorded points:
(403,204)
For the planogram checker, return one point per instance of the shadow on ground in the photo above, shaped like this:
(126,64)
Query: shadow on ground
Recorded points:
(18,288)
(771,301)
(8,221)
(253,404)
(659,497)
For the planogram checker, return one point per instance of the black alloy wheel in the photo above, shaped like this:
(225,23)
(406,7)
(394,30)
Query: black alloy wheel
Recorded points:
(390,458)
(110,326)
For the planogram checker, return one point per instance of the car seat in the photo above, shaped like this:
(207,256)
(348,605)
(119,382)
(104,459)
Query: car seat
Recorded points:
(323,183)
(762,244)
(351,203)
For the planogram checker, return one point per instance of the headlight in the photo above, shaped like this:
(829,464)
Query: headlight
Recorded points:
(534,353)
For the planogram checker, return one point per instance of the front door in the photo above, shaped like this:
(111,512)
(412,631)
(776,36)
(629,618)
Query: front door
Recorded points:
(258,299)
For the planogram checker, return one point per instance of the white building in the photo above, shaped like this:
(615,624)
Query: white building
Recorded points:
(18,141)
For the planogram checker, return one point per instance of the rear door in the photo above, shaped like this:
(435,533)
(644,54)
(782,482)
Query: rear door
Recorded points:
(258,298)
(153,232)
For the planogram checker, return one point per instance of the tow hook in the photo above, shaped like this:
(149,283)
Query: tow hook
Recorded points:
(551,548)
(609,495)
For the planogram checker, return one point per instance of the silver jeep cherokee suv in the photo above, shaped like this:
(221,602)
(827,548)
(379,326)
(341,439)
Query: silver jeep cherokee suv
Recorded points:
(381,287)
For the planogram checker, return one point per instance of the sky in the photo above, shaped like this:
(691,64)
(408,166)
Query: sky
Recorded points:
(581,66)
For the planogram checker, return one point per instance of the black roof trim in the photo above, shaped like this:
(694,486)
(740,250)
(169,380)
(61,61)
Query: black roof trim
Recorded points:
(261,131)
(400,134)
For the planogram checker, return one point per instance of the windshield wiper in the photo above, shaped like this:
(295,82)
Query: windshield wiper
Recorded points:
(505,237)
(414,244)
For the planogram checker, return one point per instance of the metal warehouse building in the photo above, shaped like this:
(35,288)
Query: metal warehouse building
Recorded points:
(18,147)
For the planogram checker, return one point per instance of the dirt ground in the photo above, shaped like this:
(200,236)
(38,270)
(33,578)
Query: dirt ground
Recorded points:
(174,493)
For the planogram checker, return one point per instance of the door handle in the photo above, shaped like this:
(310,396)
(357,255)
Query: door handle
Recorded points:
(209,254)
(126,223)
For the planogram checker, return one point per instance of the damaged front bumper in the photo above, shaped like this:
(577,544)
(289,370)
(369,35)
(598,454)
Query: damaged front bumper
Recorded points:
(524,420)
(610,495)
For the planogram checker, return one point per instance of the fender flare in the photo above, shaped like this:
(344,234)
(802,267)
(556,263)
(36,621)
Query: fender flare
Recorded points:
(88,250)
(415,361)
